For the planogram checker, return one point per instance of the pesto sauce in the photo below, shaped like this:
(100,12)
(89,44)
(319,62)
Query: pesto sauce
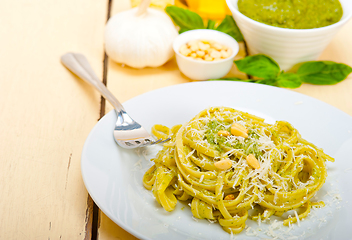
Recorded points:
(211,135)
(248,145)
(294,14)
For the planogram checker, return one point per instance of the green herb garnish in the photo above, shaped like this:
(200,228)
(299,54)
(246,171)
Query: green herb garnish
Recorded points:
(267,71)
(323,72)
(229,26)
(249,145)
(211,134)
(188,20)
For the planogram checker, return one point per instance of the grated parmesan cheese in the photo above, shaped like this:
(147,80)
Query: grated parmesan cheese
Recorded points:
(298,221)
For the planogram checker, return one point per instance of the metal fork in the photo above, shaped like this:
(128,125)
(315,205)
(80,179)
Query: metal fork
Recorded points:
(127,133)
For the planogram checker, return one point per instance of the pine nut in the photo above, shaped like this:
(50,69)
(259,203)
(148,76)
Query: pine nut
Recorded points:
(224,54)
(223,164)
(252,161)
(239,130)
(223,133)
(183,47)
(207,50)
(185,52)
(215,54)
(203,46)
(217,46)
(192,42)
(200,53)
(194,47)
(229,197)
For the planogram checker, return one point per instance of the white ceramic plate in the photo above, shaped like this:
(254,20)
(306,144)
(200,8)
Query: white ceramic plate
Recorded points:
(113,176)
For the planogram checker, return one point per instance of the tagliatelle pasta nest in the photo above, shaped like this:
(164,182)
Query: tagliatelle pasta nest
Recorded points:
(226,162)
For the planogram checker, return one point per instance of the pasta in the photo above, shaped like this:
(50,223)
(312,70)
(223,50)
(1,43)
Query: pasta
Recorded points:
(232,166)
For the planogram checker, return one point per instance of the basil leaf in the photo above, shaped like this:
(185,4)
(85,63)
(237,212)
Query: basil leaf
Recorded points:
(184,18)
(233,79)
(211,24)
(270,82)
(259,66)
(288,80)
(229,26)
(323,72)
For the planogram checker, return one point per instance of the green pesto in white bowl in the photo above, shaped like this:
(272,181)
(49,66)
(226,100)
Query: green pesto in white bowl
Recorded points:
(293,14)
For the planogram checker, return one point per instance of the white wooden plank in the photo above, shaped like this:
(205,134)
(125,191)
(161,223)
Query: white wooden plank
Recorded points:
(46,114)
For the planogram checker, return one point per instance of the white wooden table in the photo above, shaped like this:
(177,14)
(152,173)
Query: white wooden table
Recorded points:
(46,113)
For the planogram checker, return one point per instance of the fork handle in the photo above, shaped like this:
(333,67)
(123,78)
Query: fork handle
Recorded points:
(79,65)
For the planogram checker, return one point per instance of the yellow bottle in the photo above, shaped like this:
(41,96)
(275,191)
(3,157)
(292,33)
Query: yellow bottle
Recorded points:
(159,4)
(209,9)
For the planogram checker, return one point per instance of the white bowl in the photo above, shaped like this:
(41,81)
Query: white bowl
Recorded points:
(203,70)
(287,46)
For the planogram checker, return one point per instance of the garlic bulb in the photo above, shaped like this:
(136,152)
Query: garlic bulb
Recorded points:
(140,37)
